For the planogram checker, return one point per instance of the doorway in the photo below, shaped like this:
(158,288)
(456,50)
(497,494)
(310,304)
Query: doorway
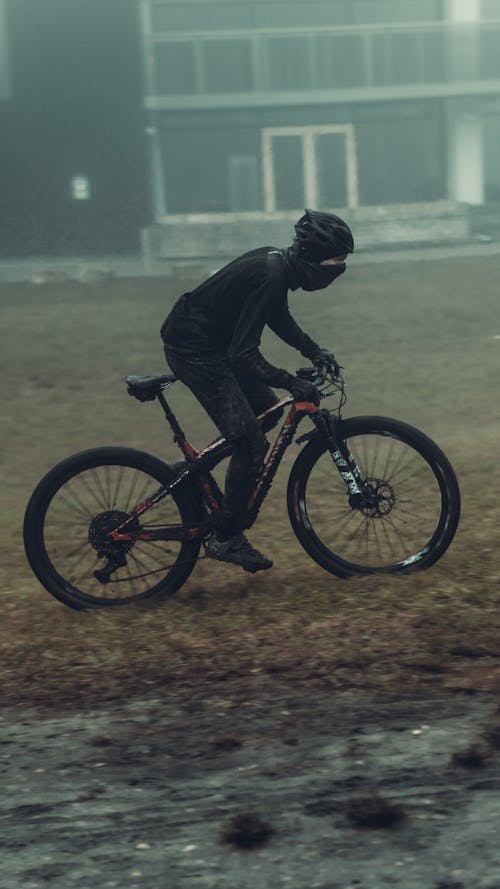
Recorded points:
(310,166)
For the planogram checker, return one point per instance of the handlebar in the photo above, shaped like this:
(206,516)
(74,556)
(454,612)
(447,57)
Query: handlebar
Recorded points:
(321,375)
(328,380)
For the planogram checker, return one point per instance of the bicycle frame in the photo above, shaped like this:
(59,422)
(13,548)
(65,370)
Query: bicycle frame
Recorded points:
(200,463)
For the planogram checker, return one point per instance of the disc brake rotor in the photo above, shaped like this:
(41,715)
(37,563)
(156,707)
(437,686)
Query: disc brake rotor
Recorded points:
(379,498)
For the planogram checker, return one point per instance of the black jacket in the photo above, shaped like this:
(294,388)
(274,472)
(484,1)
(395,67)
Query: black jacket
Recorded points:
(224,317)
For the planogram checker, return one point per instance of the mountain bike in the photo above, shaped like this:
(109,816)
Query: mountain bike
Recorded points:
(366,495)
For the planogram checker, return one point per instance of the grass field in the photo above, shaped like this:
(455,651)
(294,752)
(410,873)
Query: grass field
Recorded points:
(419,341)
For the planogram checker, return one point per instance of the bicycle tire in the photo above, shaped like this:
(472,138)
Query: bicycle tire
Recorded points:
(400,461)
(83,494)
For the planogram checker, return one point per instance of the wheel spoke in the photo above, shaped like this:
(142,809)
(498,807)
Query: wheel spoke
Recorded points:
(84,509)
(405,503)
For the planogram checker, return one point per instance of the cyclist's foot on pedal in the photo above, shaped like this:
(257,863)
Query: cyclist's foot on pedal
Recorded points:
(237,550)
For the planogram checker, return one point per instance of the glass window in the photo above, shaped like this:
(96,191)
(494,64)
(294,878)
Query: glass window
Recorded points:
(208,16)
(289,63)
(174,66)
(405,58)
(288,172)
(392,11)
(434,57)
(307,13)
(331,169)
(381,59)
(227,66)
(340,60)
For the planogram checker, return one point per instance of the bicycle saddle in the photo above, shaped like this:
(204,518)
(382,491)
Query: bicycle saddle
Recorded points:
(146,388)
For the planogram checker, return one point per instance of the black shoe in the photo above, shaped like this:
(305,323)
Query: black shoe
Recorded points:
(237,550)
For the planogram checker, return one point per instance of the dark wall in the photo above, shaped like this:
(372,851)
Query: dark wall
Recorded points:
(400,148)
(76,109)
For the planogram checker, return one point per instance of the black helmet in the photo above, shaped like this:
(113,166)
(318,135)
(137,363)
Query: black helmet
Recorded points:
(321,236)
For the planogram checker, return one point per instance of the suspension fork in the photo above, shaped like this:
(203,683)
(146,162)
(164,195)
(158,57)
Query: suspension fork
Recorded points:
(349,471)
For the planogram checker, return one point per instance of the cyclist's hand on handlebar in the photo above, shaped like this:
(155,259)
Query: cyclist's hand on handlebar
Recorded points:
(303,390)
(324,358)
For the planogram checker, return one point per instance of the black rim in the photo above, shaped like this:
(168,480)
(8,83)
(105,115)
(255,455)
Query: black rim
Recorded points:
(78,515)
(403,519)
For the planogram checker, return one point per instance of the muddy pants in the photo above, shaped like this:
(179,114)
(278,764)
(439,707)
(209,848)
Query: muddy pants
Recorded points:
(232,402)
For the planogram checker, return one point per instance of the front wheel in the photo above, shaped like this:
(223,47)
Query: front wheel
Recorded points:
(408,517)
(79,502)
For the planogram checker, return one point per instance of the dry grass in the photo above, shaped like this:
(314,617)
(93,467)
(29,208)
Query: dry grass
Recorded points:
(418,342)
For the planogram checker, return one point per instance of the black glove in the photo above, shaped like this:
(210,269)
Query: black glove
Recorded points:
(303,390)
(323,356)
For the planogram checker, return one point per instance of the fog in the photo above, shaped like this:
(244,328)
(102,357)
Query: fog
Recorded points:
(342,722)
(119,116)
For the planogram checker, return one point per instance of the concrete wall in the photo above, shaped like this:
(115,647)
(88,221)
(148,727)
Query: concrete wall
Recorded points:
(218,237)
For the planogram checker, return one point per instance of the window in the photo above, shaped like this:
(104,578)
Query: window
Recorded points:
(174,68)
(227,66)
(289,63)
(309,166)
(394,11)
(211,16)
(341,60)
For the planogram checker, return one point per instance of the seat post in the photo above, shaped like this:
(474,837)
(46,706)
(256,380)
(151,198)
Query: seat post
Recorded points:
(171,418)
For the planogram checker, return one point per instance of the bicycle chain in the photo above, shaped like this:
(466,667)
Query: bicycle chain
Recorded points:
(156,571)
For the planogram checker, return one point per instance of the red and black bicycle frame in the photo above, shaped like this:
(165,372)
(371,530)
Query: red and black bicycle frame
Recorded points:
(199,464)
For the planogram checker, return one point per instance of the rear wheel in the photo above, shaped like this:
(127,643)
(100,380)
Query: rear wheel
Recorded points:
(407,517)
(76,505)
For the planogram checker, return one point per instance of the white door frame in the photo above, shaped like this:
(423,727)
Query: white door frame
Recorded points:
(309,160)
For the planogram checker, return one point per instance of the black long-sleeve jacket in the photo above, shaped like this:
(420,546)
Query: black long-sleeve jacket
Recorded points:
(224,317)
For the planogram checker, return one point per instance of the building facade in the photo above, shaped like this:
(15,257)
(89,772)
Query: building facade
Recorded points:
(198,127)
(267,106)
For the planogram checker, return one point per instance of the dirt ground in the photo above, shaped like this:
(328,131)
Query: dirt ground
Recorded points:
(250,781)
(261,784)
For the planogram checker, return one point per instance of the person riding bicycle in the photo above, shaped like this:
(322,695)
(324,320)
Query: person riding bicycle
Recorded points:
(211,340)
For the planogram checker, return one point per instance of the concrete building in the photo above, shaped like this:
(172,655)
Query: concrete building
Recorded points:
(386,110)
(197,128)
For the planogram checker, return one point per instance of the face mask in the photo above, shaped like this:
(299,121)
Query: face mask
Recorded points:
(308,274)
(313,276)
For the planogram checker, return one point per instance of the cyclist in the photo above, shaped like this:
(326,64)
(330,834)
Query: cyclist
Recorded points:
(212,337)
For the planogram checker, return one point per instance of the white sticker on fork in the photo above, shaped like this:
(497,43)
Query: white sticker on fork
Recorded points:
(347,475)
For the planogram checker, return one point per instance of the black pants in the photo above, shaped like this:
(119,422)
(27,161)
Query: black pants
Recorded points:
(232,403)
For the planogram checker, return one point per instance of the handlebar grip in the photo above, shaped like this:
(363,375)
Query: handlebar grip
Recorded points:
(314,375)
(307,373)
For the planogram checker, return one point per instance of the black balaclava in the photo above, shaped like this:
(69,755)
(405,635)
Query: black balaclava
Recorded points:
(308,273)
